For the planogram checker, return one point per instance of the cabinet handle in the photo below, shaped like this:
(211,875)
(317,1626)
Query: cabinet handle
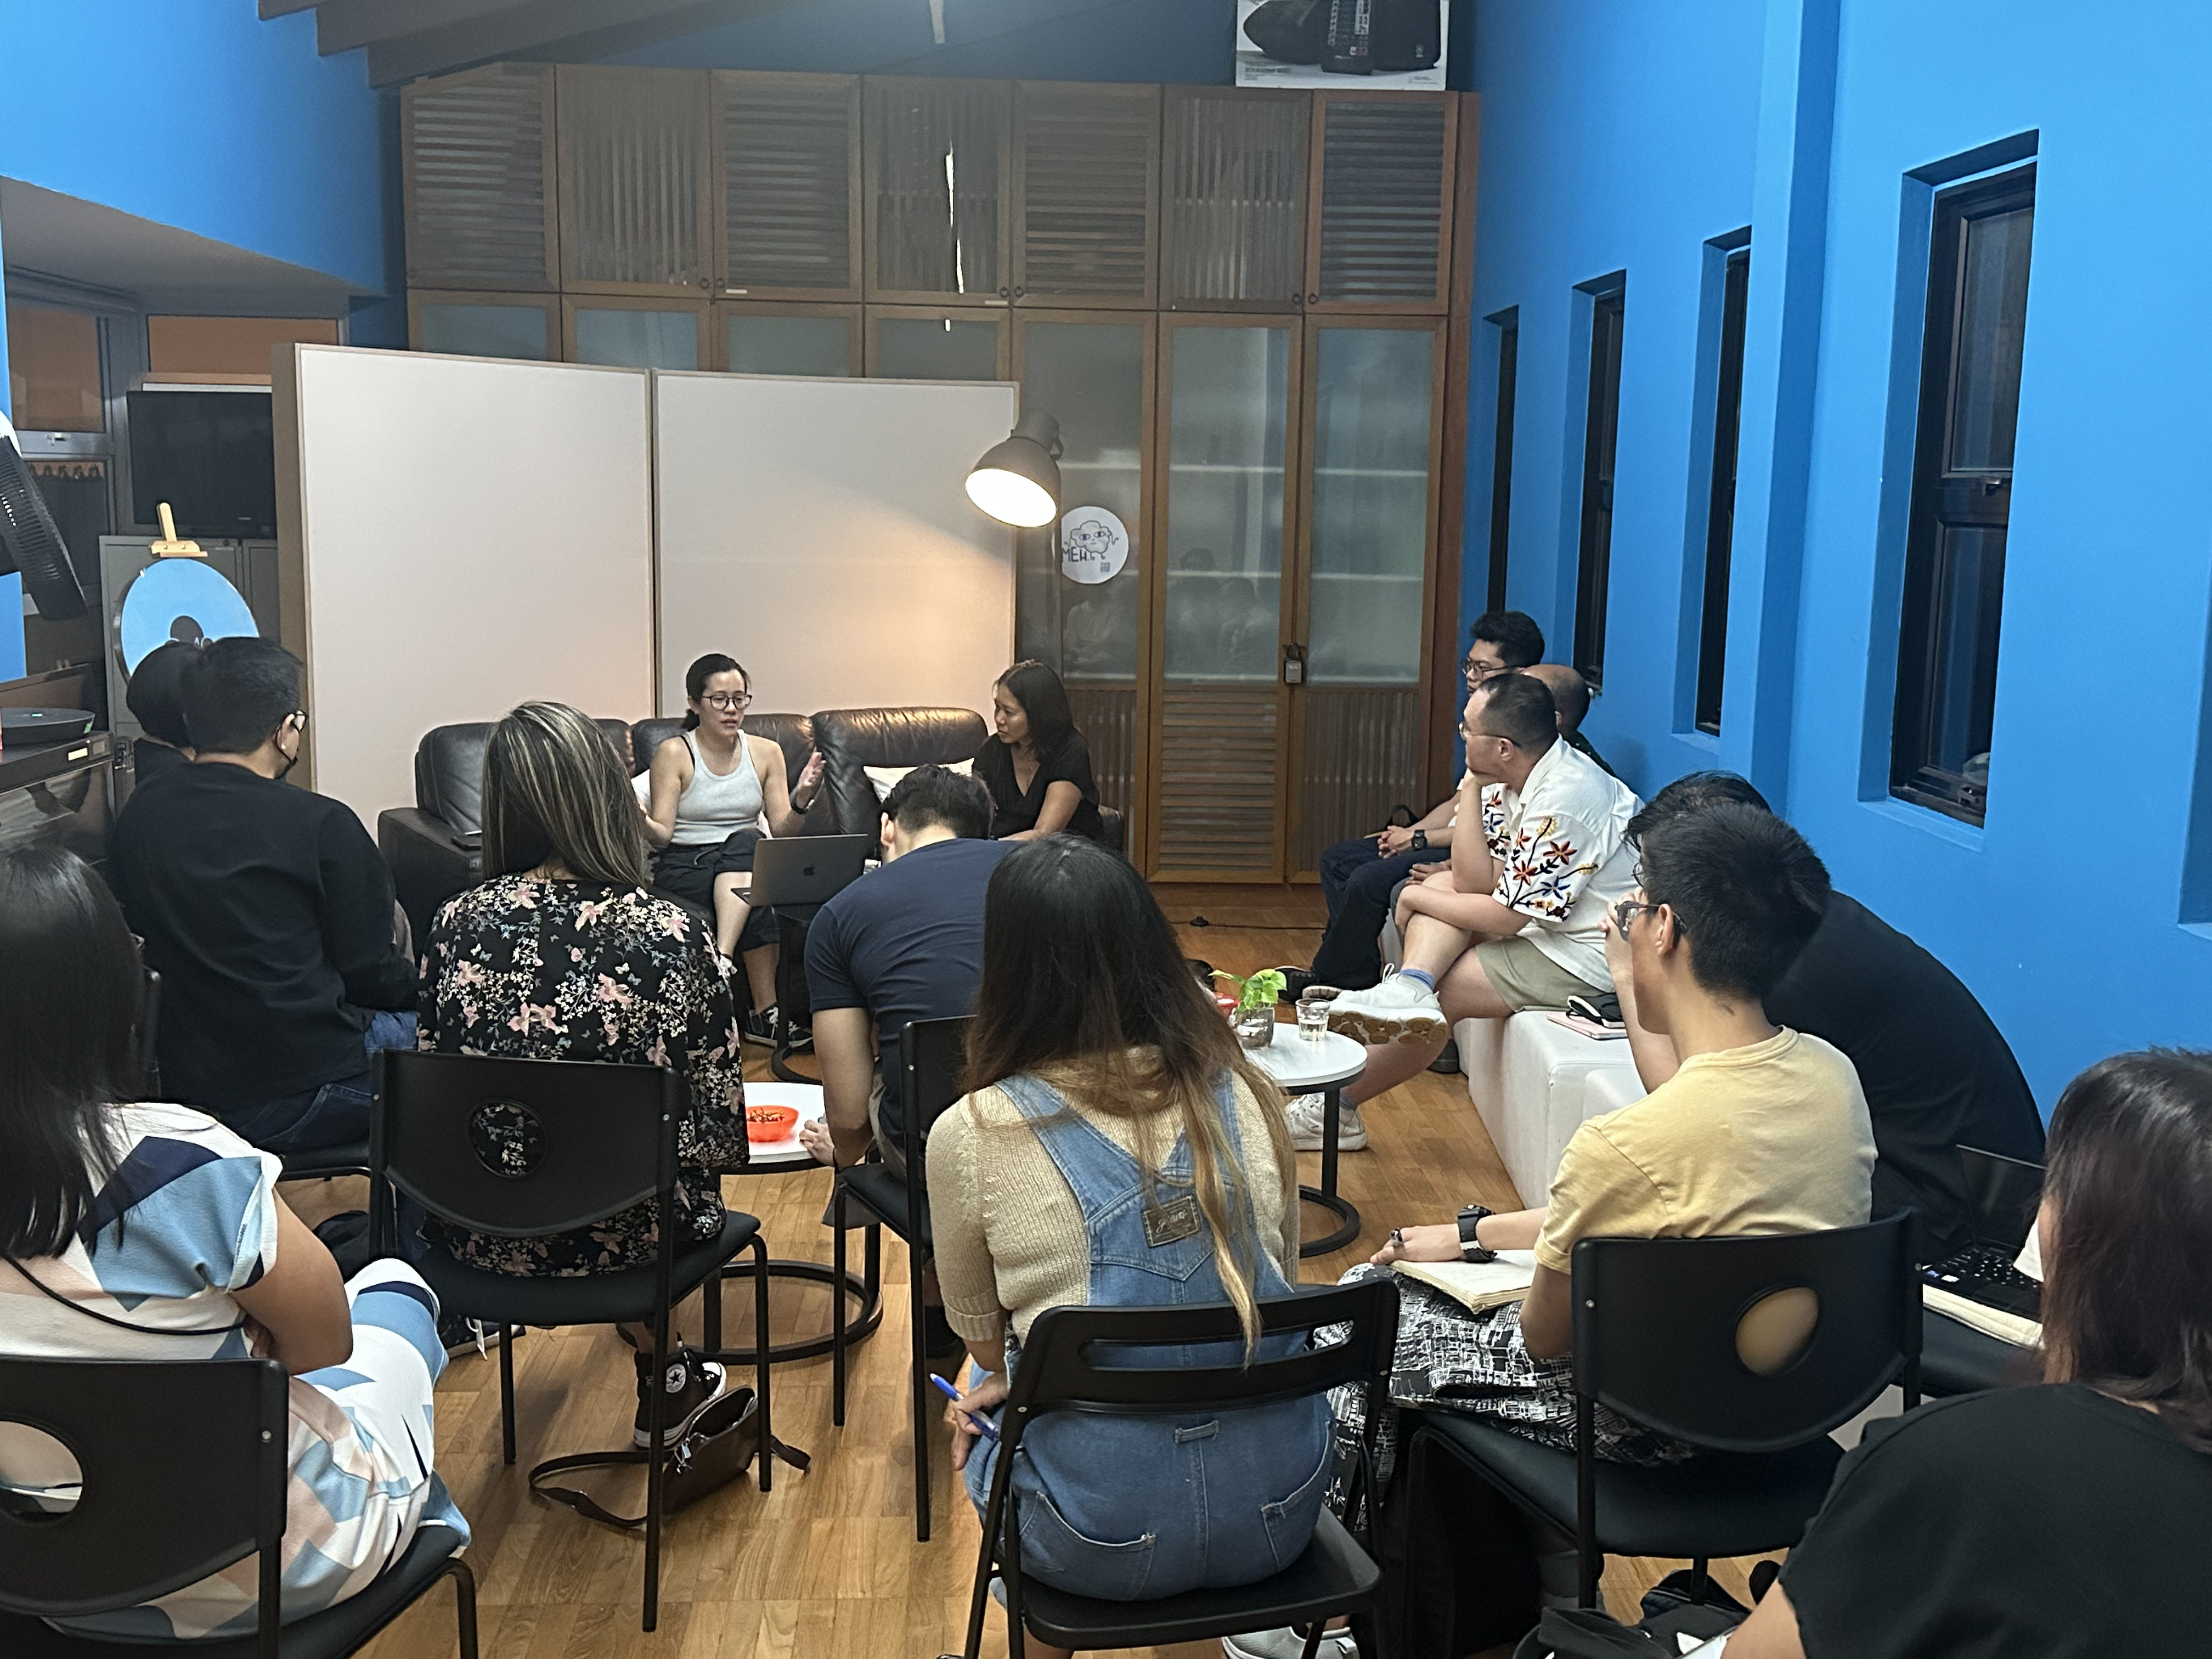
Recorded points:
(1003,292)
(1313,299)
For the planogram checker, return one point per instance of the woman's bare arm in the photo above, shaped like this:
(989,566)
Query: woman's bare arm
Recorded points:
(672,776)
(300,1304)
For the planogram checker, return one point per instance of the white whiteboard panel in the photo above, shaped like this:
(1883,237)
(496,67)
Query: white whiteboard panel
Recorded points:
(819,531)
(468,533)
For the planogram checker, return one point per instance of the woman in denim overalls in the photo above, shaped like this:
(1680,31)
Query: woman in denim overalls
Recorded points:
(1096,1056)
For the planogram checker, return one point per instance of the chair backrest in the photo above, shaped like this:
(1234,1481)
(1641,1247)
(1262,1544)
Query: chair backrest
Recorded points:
(1058,1371)
(183,1470)
(933,1065)
(852,739)
(449,769)
(1655,1325)
(518,1148)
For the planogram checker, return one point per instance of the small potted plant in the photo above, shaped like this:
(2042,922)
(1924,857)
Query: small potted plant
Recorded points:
(1252,1014)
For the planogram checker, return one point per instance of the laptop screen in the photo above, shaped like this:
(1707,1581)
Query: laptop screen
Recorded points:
(2004,1191)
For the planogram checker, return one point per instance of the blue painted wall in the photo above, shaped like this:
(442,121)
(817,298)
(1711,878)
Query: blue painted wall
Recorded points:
(1621,137)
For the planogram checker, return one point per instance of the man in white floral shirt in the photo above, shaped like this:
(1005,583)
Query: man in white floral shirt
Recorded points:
(1518,919)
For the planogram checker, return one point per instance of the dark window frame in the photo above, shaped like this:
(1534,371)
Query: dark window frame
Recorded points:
(1720,510)
(1601,447)
(1508,324)
(1943,498)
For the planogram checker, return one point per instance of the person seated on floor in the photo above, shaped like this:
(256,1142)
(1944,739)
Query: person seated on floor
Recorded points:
(1101,1071)
(267,911)
(2071,1518)
(905,944)
(1936,1072)
(1036,763)
(713,788)
(1517,920)
(1358,876)
(136,1229)
(156,697)
(563,954)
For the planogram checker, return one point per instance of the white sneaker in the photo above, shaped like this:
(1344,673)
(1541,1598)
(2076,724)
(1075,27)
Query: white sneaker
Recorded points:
(1304,1115)
(1399,1010)
(1286,1643)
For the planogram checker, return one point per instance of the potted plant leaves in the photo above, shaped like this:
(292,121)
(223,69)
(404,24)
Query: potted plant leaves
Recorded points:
(1254,1015)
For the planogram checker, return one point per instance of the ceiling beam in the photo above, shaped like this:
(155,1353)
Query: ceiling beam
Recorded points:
(344,24)
(563,30)
(283,8)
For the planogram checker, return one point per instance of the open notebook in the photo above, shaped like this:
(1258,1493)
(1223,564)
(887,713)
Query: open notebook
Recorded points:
(1479,1286)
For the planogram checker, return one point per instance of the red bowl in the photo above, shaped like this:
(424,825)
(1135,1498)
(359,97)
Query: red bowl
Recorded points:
(769,1122)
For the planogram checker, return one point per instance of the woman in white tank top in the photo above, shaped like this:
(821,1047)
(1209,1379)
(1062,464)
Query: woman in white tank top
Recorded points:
(714,790)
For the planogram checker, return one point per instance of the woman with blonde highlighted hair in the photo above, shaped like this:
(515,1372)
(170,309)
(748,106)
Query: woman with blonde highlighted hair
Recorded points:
(563,954)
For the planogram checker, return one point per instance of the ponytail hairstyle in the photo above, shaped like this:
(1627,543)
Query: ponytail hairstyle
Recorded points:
(1083,980)
(696,676)
(72,1017)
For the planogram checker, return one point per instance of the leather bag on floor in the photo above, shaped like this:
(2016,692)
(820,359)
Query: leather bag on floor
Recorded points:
(717,1444)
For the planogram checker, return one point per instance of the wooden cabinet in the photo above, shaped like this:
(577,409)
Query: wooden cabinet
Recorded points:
(1086,194)
(787,186)
(937,164)
(1381,216)
(1235,220)
(635,180)
(477,180)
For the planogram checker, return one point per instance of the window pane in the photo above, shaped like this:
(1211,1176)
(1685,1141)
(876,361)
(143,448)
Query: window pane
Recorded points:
(1600,422)
(1091,376)
(1227,420)
(1501,459)
(1370,528)
(1962,692)
(1992,317)
(486,331)
(53,372)
(789,345)
(935,349)
(638,339)
(1720,508)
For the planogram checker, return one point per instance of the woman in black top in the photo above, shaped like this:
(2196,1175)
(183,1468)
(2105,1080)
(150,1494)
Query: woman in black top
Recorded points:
(2067,1521)
(156,700)
(1038,768)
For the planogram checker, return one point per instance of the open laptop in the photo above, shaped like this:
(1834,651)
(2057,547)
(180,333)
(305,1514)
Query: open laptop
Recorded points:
(807,870)
(2005,1193)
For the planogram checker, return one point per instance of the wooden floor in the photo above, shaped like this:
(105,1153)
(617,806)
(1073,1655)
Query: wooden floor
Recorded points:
(826,1566)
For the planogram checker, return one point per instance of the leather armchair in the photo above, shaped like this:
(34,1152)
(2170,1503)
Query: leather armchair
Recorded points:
(793,733)
(851,738)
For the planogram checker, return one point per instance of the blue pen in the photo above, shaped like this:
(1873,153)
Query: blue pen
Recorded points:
(976,1418)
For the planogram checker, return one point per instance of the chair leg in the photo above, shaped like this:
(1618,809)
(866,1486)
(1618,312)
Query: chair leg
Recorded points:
(761,1359)
(837,1300)
(656,1398)
(465,1604)
(1313,1633)
(1700,1579)
(710,1312)
(923,1393)
(507,1392)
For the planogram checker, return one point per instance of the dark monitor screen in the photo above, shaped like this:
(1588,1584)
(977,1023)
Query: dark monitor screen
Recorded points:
(210,456)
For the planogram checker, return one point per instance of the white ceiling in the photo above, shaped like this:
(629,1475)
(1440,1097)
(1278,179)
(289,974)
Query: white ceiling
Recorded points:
(161,267)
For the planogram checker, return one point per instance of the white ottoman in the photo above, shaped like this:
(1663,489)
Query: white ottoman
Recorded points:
(1534,1084)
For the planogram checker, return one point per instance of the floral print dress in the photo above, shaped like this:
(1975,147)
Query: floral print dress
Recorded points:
(526,969)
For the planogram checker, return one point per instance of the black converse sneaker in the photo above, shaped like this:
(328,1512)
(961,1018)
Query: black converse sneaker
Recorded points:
(690,1382)
(760,1026)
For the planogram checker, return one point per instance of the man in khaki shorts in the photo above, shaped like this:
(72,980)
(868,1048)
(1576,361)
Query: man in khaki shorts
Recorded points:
(1518,919)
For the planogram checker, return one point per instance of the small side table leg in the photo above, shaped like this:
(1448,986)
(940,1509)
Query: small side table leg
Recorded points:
(1326,1195)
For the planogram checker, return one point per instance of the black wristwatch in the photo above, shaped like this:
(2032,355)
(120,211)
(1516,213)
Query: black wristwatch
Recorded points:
(1420,842)
(1469,1219)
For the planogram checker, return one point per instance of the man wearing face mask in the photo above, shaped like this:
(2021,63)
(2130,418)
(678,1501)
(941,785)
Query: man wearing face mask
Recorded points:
(267,913)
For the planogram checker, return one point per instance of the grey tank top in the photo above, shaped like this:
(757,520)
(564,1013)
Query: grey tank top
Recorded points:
(716,806)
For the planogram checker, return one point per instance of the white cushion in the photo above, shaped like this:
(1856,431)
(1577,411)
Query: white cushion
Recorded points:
(1534,1084)
(643,784)
(886,778)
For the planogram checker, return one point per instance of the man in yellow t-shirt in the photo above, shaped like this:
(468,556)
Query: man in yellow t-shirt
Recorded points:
(1763,1130)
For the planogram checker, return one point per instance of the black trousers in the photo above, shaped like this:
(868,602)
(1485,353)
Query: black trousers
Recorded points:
(1356,882)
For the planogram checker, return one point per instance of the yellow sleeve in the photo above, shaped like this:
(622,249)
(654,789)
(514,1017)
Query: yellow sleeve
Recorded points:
(1598,1193)
(957,1227)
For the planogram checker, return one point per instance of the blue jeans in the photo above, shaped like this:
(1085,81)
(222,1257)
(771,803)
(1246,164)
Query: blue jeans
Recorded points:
(332,1115)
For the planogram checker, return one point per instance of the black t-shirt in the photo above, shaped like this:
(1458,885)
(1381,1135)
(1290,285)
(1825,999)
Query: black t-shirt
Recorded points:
(1017,811)
(267,911)
(1937,1071)
(2048,1521)
(904,942)
(150,757)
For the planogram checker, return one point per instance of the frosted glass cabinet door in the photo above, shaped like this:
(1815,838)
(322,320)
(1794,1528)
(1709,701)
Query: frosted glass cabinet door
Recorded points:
(934,347)
(1374,398)
(636,339)
(471,330)
(766,344)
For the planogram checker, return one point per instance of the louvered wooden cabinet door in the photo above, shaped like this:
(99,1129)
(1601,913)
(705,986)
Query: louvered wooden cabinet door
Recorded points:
(787,186)
(938,159)
(1234,213)
(1086,194)
(1383,210)
(635,177)
(476,157)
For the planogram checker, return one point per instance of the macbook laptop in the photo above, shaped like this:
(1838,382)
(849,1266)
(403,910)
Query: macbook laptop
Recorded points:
(807,870)
(2004,1193)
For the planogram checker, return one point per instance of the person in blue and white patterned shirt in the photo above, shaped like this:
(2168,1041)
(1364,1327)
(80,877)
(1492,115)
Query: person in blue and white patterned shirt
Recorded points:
(133,1229)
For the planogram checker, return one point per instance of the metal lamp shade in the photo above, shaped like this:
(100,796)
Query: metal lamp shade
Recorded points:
(1017,481)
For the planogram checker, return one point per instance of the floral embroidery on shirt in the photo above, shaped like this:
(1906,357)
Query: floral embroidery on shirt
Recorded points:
(1541,866)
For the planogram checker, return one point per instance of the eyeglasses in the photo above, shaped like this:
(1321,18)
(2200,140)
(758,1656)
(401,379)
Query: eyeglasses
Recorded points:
(727,699)
(1475,672)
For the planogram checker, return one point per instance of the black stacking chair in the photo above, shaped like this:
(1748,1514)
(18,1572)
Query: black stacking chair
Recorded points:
(594,1140)
(1057,1373)
(160,1509)
(932,1055)
(1956,1358)
(1655,1339)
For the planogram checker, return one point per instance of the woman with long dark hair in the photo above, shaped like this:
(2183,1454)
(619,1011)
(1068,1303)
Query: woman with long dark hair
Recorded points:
(134,1230)
(713,788)
(2072,1518)
(1106,1094)
(562,954)
(1035,765)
